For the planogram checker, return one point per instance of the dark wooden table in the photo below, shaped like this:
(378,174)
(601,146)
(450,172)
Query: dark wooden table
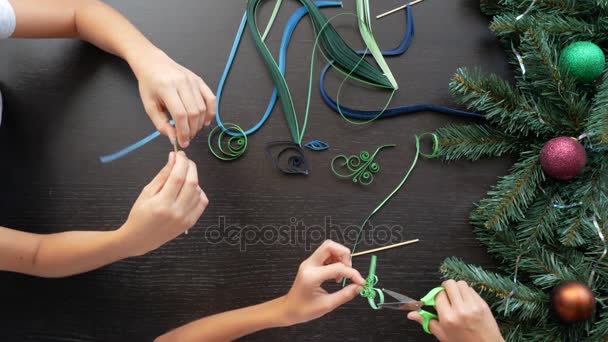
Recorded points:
(66,103)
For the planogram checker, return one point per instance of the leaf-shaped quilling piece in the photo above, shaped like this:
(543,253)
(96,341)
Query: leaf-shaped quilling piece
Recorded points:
(317,145)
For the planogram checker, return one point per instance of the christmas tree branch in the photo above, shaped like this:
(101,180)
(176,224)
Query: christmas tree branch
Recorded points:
(537,229)
(509,199)
(561,26)
(501,292)
(597,124)
(473,142)
(546,81)
(494,7)
(503,106)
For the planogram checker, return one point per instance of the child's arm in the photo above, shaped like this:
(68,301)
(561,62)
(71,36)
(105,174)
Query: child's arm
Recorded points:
(168,206)
(463,316)
(307,300)
(163,84)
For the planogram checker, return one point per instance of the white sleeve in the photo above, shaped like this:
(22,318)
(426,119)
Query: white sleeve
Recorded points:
(7,19)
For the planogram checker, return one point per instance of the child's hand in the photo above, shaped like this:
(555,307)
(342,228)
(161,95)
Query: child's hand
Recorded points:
(168,206)
(463,316)
(165,86)
(307,300)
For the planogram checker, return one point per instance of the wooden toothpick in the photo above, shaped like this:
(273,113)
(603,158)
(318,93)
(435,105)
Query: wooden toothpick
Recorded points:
(175,145)
(176,150)
(386,247)
(398,9)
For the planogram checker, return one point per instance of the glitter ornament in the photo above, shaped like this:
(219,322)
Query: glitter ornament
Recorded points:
(585,61)
(563,158)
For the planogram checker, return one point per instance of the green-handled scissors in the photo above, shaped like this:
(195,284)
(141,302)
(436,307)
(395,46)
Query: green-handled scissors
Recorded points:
(405,303)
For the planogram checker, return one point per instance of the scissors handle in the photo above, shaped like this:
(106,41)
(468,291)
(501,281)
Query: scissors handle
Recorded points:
(427,317)
(429,300)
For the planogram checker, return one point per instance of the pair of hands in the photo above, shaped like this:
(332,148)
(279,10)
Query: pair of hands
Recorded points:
(165,86)
(167,207)
(463,315)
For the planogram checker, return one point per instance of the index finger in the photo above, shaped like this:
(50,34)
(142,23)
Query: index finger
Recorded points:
(338,270)
(331,249)
(177,177)
(176,107)
(442,305)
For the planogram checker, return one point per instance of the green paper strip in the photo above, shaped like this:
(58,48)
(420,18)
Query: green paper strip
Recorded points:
(405,178)
(335,47)
(369,291)
(365,28)
(273,17)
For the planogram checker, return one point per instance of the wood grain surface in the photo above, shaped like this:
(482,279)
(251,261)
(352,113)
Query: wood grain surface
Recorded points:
(67,103)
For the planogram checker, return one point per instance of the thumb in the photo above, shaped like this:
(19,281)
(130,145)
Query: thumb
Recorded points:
(159,119)
(414,316)
(161,178)
(343,296)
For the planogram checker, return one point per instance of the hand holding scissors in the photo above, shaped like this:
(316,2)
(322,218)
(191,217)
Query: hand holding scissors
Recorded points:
(405,303)
(462,315)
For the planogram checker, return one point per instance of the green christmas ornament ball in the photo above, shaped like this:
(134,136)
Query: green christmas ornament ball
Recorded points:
(583,60)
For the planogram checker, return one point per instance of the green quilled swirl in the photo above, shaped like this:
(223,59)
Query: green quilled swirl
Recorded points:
(359,168)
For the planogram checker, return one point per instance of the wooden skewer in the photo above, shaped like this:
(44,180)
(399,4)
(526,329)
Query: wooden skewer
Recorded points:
(386,247)
(175,145)
(398,9)
(176,150)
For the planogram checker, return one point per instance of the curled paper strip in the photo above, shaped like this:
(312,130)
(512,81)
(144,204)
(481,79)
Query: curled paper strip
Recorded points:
(227,146)
(374,296)
(288,157)
(360,168)
(317,145)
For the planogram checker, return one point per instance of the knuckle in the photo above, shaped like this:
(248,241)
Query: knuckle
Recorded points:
(204,201)
(191,182)
(161,212)
(179,179)
(449,321)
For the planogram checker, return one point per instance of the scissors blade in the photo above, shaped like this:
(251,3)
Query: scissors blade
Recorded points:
(404,303)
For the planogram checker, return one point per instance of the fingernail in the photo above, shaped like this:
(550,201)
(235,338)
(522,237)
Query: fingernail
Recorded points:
(186,143)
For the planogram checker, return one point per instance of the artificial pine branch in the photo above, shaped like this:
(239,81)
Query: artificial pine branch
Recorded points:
(565,27)
(545,80)
(494,7)
(473,142)
(512,195)
(537,229)
(597,123)
(504,107)
(507,296)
